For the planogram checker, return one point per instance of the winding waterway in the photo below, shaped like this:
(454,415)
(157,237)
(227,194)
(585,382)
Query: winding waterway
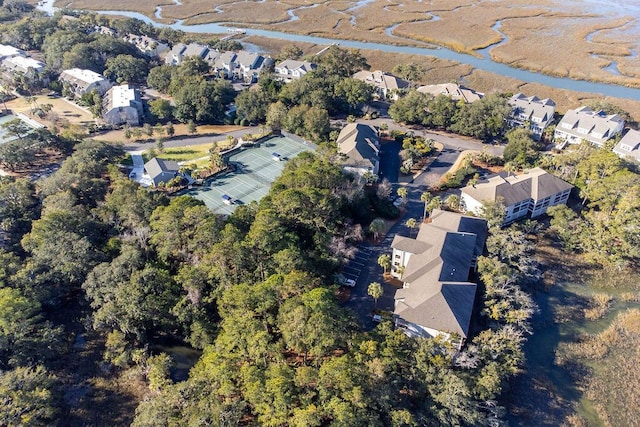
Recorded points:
(484,64)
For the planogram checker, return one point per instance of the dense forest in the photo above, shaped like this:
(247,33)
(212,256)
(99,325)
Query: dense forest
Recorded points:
(90,249)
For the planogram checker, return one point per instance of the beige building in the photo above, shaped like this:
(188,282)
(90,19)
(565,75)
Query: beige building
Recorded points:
(629,146)
(7,51)
(531,112)
(452,90)
(29,67)
(529,194)
(584,124)
(148,46)
(387,86)
(292,69)
(81,81)
(437,297)
(181,51)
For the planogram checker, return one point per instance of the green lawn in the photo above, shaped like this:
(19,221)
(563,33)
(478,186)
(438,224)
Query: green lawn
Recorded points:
(183,154)
(191,153)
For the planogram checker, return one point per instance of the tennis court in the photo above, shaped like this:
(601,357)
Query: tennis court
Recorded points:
(4,137)
(255,170)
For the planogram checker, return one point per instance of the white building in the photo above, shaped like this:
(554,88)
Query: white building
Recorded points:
(81,81)
(629,146)
(452,90)
(122,104)
(386,85)
(533,112)
(437,298)
(588,125)
(7,51)
(360,144)
(30,67)
(292,69)
(529,194)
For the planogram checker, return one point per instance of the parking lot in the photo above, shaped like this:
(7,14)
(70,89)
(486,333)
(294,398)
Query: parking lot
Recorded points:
(354,267)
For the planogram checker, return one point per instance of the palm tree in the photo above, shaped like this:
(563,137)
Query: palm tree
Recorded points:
(375,291)
(426,198)
(435,203)
(3,97)
(510,167)
(411,223)
(384,261)
(217,162)
(403,192)
(376,226)
(453,202)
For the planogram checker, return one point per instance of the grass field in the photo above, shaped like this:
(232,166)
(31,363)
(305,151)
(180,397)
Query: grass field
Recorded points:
(189,152)
(65,111)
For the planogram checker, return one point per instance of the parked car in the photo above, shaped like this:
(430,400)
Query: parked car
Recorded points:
(377,318)
(350,282)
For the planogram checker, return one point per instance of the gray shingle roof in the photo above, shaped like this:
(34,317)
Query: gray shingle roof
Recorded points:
(358,141)
(532,107)
(161,170)
(536,184)
(438,294)
(407,244)
(292,64)
(453,91)
(629,145)
(381,80)
(444,307)
(594,126)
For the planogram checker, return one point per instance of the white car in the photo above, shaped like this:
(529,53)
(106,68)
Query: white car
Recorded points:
(377,318)
(350,282)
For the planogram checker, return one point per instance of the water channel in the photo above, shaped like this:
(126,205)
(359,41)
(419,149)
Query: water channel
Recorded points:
(481,63)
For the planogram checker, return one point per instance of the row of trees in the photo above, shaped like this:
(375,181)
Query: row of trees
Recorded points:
(483,119)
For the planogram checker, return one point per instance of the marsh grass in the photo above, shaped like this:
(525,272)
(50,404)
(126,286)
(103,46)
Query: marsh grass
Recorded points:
(243,13)
(599,304)
(571,55)
(613,380)
(146,8)
(539,39)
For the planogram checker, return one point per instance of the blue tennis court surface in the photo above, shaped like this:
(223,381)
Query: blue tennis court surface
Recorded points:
(255,170)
